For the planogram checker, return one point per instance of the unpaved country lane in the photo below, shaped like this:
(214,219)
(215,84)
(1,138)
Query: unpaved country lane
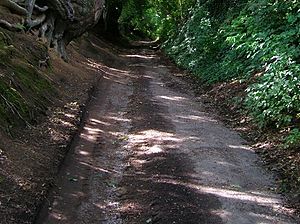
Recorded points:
(185,166)
(149,153)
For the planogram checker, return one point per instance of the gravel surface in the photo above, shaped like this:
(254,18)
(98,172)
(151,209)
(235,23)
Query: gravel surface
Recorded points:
(149,153)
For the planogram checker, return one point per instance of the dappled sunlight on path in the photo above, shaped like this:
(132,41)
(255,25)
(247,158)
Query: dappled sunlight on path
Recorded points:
(149,153)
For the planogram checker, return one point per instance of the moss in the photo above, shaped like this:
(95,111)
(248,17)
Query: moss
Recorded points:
(31,79)
(24,94)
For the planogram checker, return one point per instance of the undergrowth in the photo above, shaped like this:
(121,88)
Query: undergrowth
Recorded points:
(256,42)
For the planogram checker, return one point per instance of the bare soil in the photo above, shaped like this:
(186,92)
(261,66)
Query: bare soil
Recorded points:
(149,152)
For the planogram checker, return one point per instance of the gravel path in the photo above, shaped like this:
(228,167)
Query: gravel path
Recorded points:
(149,153)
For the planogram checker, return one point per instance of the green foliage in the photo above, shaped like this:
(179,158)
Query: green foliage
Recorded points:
(293,139)
(195,46)
(258,38)
(154,18)
(20,26)
(273,47)
(275,98)
(199,45)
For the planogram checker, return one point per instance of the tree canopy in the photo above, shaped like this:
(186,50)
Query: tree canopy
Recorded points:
(154,18)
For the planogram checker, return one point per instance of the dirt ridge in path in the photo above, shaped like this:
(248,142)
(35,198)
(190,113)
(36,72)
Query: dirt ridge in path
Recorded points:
(87,181)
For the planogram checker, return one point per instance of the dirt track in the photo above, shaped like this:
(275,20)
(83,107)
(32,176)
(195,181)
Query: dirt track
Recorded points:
(149,153)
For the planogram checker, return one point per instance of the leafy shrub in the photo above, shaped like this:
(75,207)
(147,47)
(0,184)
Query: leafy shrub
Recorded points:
(275,98)
(193,46)
(269,42)
(250,38)
(293,139)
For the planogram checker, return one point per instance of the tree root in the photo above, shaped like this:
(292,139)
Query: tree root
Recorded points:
(29,6)
(13,6)
(47,29)
(12,27)
(56,20)
(35,22)
(27,10)
(41,9)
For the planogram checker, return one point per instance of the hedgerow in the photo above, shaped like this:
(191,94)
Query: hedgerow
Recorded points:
(255,41)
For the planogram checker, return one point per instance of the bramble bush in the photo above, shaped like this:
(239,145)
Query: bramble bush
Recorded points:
(265,38)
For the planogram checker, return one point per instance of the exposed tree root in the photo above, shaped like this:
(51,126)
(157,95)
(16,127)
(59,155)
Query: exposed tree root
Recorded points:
(58,21)
(13,6)
(12,27)
(41,9)
(37,21)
